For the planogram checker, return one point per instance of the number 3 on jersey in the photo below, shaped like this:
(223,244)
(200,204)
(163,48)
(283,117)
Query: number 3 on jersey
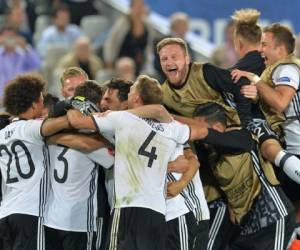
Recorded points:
(142,150)
(66,167)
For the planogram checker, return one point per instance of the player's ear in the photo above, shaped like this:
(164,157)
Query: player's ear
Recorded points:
(187,59)
(218,126)
(138,99)
(34,105)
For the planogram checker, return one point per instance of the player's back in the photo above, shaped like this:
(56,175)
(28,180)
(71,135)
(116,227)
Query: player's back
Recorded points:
(72,204)
(22,164)
(143,149)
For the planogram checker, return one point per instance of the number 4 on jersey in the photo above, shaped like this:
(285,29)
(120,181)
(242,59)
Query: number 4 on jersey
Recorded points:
(142,150)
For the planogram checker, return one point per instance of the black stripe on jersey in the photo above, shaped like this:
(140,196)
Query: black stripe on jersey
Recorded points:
(195,199)
(44,185)
(96,125)
(188,203)
(90,201)
(41,131)
(271,189)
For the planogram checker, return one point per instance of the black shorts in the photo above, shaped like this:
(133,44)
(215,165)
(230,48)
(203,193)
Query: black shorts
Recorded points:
(221,229)
(185,233)
(20,231)
(276,236)
(136,228)
(261,129)
(66,240)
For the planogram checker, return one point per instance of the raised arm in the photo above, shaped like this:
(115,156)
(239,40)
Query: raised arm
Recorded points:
(277,98)
(80,121)
(154,111)
(81,142)
(53,125)
(198,130)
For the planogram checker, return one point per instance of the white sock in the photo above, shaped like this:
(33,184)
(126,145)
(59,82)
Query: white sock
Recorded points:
(290,165)
(279,157)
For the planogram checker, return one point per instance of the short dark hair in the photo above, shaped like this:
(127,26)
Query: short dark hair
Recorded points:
(212,112)
(21,92)
(61,7)
(49,102)
(123,87)
(149,90)
(91,90)
(282,35)
(4,119)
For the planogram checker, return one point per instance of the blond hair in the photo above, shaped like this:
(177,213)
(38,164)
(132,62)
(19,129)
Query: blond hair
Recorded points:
(72,72)
(246,26)
(149,90)
(172,40)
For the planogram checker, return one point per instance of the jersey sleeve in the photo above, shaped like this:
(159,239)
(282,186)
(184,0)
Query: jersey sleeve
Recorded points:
(181,132)
(287,75)
(230,142)
(108,124)
(102,157)
(178,151)
(32,130)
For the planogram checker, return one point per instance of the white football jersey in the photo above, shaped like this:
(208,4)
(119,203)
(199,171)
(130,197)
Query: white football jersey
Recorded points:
(289,75)
(143,149)
(72,203)
(190,199)
(23,164)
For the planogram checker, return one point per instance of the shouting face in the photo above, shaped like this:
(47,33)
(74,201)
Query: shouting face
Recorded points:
(175,63)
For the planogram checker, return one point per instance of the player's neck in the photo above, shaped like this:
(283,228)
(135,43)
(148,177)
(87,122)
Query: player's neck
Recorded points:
(27,115)
(248,49)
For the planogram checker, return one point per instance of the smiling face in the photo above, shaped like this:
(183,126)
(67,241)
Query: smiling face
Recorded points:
(175,63)
(68,88)
(270,51)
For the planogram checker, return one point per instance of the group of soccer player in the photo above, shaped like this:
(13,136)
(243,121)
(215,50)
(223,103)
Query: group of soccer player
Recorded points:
(216,167)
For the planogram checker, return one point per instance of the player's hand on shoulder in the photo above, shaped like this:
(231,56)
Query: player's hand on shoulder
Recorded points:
(236,75)
(73,116)
(250,91)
